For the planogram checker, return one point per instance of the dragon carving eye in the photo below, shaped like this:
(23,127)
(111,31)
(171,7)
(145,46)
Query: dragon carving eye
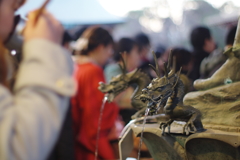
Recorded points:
(159,89)
(144,91)
(112,83)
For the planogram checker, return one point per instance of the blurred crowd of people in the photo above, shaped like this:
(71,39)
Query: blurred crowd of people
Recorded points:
(50,102)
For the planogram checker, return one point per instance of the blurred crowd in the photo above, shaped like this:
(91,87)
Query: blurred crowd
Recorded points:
(50,102)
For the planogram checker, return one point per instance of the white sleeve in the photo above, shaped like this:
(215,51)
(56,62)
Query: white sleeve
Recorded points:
(31,118)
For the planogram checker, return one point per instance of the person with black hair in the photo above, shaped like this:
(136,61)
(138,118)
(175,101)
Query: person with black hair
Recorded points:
(182,58)
(143,44)
(216,59)
(203,44)
(127,48)
(228,72)
(230,37)
(67,39)
(93,48)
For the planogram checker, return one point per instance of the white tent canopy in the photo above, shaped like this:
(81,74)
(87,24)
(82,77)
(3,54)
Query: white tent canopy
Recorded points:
(74,11)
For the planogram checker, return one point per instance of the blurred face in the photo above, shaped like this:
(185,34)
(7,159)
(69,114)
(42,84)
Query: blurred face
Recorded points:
(133,59)
(105,52)
(144,52)
(162,59)
(209,45)
(7,9)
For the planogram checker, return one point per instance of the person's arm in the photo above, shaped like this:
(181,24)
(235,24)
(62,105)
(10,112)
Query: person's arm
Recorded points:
(31,119)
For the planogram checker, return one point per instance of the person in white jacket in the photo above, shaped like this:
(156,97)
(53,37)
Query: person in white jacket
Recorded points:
(31,116)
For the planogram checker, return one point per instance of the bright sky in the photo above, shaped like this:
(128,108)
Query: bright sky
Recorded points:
(63,8)
(122,7)
(73,11)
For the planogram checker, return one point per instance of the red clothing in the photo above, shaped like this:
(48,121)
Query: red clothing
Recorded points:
(86,107)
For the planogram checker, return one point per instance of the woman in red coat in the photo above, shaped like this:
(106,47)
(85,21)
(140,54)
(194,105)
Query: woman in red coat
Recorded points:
(94,49)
